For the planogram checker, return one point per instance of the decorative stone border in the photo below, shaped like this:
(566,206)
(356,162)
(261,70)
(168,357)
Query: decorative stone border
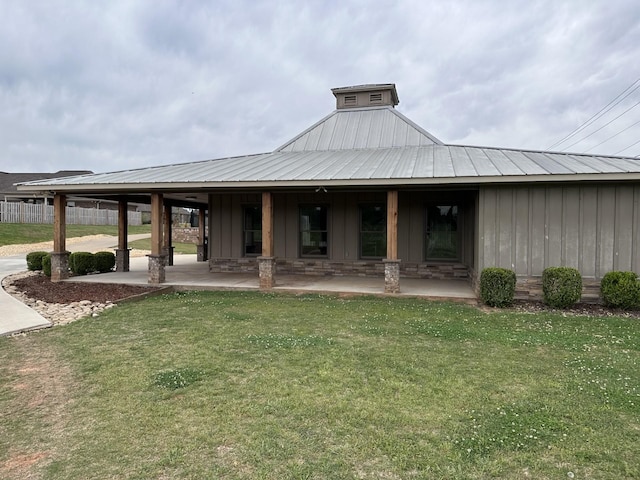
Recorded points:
(56,313)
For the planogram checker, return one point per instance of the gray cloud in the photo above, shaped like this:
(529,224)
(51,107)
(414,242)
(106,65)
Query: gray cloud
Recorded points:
(123,84)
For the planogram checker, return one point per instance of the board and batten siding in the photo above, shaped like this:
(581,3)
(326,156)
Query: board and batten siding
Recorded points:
(594,228)
(226,229)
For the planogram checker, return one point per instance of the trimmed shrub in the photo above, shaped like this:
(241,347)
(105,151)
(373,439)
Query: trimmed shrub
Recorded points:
(620,290)
(105,261)
(82,263)
(46,265)
(34,260)
(497,286)
(561,286)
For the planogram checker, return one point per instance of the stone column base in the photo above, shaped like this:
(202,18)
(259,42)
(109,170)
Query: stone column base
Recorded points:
(122,259)
(59,266)
(267,269)
(391,276)
(202,253)
(157,268)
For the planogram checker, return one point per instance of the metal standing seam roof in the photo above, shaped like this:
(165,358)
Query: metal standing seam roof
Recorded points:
(368,146)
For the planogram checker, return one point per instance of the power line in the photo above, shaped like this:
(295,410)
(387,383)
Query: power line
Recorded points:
(627,148)
(614,135)
(597,130)
(599,114)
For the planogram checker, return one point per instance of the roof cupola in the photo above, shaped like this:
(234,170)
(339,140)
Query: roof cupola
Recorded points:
(371,95)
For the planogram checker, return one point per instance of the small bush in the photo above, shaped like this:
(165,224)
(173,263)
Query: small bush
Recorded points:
(620,290)
(561,286)
(34,260)
(82,263)
(46,265)
(497,286)
(105,261)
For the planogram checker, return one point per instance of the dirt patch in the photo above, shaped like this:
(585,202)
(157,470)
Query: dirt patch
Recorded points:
(579,309)
(42,387)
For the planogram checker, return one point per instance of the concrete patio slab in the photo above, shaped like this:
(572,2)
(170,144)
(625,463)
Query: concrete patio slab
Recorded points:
(187,273)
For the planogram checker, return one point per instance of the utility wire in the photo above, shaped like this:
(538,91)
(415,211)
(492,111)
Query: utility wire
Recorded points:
(599,114)
(612,136)
(597,130)
(627,148)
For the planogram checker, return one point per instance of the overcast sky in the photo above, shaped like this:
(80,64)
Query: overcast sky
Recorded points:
(124,84)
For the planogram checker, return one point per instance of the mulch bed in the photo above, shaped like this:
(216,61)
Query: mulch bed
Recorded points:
(40,287)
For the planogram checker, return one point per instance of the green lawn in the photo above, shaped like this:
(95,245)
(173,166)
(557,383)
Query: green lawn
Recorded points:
(185,248)
(259,386)
(19,233)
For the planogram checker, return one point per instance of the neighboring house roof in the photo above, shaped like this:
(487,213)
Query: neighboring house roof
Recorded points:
(8,180)
(370,146)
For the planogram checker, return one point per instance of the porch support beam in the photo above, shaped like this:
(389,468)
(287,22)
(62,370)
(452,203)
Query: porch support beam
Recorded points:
(203,254)
(122,252)
(166,243)
(266,262)
(157,258)
(392,263)
(59,256)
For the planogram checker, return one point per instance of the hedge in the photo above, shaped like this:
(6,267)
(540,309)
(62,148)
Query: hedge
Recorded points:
(46,265)
(620,290)
(104,261)
(561,286)
(34,260)
(82,263)
(497,286)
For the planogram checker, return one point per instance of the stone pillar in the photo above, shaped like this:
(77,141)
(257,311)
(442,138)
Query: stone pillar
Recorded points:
(391,276)
(122,259)
(267,268)
(157,268)
(59,266)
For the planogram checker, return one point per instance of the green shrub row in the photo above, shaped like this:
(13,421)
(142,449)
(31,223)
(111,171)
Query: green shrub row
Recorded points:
(80,263)
(561,288)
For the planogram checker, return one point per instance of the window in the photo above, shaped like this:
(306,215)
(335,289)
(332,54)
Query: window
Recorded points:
(373,231)
(313,231)
(252,234)
(441,236)
(350,100)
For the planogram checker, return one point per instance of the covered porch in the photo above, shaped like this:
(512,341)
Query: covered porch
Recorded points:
(187,273)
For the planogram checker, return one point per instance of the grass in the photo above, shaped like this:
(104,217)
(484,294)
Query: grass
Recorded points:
(184,248)
(248,385)
(21,233)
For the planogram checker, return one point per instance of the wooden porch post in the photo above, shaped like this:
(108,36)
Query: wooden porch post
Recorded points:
(156,259)
(392,263)
(203,254)
(166,244)
(266,263)
(59,256)
(122,252)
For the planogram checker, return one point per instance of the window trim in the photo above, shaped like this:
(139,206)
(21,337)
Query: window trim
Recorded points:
(313,205)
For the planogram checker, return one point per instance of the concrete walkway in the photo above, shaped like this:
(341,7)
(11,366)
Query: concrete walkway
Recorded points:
(15,316)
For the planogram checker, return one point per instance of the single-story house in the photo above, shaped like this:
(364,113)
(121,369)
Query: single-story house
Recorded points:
(366,191)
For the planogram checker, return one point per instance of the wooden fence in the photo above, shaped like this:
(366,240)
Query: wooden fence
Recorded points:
(20,212)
